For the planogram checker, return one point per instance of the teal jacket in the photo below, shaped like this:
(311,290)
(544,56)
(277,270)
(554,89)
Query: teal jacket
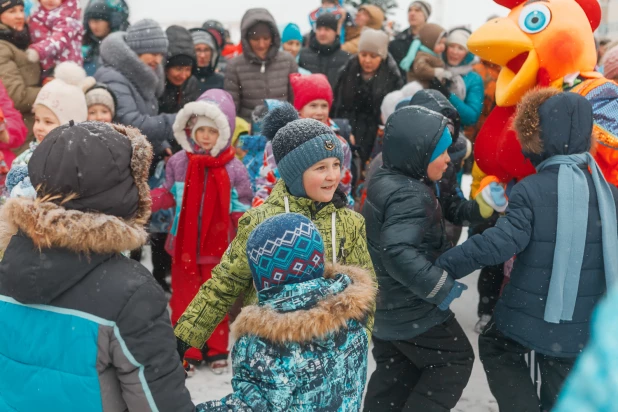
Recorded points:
(303,347)
(471,107)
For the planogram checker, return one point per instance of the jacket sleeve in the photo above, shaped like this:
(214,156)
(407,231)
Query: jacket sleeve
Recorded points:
(229,279)
(242,183)
(23,96)
(147,364)
(470,109)
(14,122)
(231,84)
(65,30)
(157,129)
(422,70)
(455,207)
(402,234)
(495,245)
(261,381)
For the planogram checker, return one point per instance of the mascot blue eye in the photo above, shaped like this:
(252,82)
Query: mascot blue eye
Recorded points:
(534,18)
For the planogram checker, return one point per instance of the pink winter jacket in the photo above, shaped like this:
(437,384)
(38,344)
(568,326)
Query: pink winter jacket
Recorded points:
(14,125)
(57,34)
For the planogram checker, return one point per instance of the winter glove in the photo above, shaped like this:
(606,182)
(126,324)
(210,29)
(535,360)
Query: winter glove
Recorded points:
(491,197)
(456,292)
(32,55)
(436,84)
(442,74)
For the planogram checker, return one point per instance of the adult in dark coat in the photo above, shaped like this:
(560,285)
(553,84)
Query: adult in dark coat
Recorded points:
(262,71)
(359,93)
(208,54)
(181,87)
(548,124)
(109,344)
(418,14)
(324,54)
(405,234)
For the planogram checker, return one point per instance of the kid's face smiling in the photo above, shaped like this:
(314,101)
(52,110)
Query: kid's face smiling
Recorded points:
(321,180)
(206,137)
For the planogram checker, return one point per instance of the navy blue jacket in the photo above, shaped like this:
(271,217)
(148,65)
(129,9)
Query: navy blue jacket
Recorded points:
(529,231)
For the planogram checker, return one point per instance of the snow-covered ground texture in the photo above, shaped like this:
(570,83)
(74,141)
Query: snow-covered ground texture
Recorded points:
(205,385)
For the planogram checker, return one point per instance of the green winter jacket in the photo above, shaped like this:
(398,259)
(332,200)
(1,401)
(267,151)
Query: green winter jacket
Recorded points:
(232,276)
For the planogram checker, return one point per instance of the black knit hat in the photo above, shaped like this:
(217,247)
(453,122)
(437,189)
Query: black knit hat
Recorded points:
(327,20)
(181,50)
(298,144)
(9,4)
(90,160)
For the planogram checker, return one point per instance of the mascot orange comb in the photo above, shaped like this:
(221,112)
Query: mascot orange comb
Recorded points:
(543,43)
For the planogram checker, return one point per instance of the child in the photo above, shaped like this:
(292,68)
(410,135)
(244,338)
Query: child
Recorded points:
(561,226)
(203,226)
(59,101)
(109,342)
(424,359)
(424,59)
(313,98)
(307,315)
(56,34)
(309,156)
(101,104)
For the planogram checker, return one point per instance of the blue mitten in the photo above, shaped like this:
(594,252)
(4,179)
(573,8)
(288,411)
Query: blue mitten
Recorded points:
(456,292)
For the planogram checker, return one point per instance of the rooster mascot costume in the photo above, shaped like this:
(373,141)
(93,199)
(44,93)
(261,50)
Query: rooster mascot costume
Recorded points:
(543,43)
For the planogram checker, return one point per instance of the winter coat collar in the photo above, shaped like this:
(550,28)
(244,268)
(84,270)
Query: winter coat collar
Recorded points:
(303,204)
(116,53)
(49,225)
(301,313)
(19,39)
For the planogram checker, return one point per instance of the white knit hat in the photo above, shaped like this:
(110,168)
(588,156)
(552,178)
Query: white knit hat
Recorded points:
(459,36)
(202,121)
(64,95)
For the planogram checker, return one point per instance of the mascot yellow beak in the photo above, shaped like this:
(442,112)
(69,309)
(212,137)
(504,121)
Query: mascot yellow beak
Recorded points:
(502,42)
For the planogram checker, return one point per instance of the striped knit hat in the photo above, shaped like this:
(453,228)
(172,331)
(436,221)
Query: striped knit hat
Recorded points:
(285,249)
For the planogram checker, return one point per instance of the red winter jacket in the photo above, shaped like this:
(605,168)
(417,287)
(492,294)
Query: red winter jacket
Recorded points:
(57,34)
(14,125)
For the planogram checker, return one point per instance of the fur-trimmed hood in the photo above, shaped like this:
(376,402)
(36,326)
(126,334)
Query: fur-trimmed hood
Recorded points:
(549,122)
(116,53)
(48,224)
(328,315)
(216,105)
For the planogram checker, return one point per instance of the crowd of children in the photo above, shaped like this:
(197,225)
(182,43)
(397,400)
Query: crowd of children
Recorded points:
(332,217)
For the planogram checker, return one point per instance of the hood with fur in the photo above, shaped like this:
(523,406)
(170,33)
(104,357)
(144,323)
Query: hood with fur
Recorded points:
(218,106)
(49,225)
(328,315)
(549,122)
(116,53)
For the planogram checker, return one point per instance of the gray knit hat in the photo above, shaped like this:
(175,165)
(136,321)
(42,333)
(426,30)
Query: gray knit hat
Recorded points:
(101,95)
(374,41)
(424,6)
(202,37)
(146,36)
(298,144)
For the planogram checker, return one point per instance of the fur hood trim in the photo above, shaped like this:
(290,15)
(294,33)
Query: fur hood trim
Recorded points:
(329,315)
(527,122)
(202,109)
(116,53)
(50,225)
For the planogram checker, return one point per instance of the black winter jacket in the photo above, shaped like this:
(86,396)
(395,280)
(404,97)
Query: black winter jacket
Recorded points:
(359,101)
(174,98)
(328,60)
(529,231)
(405,227)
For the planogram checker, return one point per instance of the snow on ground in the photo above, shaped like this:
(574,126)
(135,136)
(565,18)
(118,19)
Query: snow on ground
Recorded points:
(205,385)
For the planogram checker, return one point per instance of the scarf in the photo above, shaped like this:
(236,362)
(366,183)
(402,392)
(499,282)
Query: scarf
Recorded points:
(571,232)
(19,39)
(415,47)
(203,227)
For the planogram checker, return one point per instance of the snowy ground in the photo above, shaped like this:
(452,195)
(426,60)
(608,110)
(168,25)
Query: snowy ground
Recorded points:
(205,385)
